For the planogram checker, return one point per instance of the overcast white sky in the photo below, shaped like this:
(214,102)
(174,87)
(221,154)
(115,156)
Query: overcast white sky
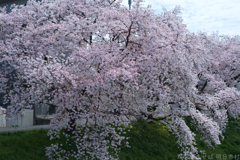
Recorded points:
(204,15)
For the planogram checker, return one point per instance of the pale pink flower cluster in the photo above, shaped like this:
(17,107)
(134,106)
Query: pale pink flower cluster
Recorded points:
(97,62)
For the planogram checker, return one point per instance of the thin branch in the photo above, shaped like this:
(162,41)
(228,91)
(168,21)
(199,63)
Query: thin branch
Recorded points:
(129,34)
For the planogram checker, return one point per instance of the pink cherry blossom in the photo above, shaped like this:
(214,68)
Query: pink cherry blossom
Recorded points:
(99,63)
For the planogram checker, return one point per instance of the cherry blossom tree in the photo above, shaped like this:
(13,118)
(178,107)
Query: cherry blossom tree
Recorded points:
(99,63)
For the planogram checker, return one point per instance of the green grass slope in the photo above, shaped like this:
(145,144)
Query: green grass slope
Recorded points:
(147,141)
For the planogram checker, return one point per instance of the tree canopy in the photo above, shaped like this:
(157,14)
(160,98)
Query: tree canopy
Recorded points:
(96,60)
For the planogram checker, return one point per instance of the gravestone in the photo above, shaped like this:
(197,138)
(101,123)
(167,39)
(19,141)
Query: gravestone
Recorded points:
(24,119)
(2,117)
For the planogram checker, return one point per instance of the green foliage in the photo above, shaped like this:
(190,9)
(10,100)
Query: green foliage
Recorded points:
(147,141)
(230,145)
(24,145)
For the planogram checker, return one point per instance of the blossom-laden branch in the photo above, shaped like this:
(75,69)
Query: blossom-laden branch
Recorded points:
(98,63)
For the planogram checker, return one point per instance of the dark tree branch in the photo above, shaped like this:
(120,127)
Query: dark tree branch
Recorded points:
(236,77)
(205,84)
(129,34)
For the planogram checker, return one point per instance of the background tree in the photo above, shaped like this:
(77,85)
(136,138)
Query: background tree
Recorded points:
(96,61)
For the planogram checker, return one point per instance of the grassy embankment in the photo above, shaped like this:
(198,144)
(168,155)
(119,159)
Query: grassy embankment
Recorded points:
(148,142)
